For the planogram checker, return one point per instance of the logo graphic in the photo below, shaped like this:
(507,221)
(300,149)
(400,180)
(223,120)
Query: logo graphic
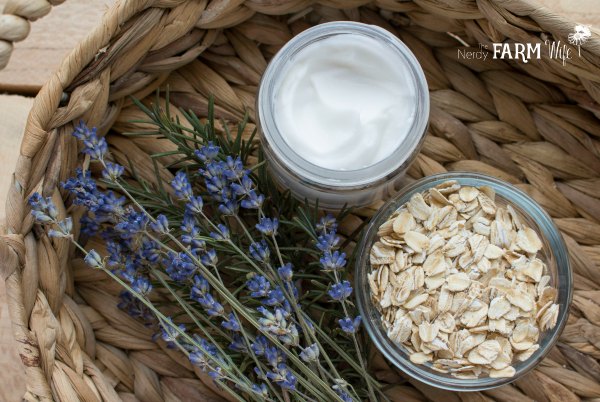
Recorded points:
(580,36)
(524,52)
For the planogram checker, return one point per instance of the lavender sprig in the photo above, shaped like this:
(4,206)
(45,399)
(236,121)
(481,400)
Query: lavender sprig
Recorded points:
(45,212)
(242,192)
(333,262)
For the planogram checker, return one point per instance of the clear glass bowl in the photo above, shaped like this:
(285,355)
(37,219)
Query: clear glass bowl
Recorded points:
(554,253)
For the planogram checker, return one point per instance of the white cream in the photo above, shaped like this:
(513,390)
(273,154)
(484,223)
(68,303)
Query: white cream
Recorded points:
(345,102)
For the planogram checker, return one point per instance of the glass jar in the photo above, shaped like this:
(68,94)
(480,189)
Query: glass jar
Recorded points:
(554,254)
(336,188)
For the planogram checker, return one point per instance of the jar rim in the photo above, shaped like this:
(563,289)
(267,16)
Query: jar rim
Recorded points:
(305,170)
(516,197)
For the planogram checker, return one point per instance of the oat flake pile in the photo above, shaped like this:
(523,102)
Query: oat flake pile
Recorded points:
(459,284)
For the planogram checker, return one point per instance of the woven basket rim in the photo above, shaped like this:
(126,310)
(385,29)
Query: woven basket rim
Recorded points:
(44,118)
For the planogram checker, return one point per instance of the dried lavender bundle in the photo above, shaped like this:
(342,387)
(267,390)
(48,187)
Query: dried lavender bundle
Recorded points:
(257,289)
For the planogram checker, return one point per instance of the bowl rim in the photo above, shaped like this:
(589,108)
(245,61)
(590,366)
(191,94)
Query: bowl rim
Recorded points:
(393,353)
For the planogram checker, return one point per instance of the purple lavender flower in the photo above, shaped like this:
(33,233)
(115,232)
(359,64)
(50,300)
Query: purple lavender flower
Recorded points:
(216,374)
(215,186)
(253,200)
(283,377)
(205,356)
(188,223)
(238,344)
(179,266)
(267,226)
(274,298)
(260,345)
(142,285)
(169,332)
(161,225)
(244,187)
(344,395)
(260,251)
(229,207)
(93,259)
(112,171)
(259,374)
(89,226)
(222,233)
(191,235)
(93,146)
(194,241)
(258,285)
(333,261)
(310,353)
(182,186)
(133,223)
(286,272)
(84,188)
(260,390)
(328,242)
(273,355)
(149,251)
(231,323)
(348,325)
(116,253)
(209,258)
(40,216)
(110,207)
(129,270)
(234,170)
(213,169)
(227,194)
(208,152)
(340,291)
(64,229)
(212,307)
(326,224)
(277,324)
(195,205)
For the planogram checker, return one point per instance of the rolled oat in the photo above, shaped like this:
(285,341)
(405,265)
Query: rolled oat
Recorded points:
(459,284)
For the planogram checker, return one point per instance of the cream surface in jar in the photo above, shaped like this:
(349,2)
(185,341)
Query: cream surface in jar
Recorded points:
(342,110)
(344,104)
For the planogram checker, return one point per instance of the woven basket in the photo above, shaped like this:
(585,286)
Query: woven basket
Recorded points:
(532,124)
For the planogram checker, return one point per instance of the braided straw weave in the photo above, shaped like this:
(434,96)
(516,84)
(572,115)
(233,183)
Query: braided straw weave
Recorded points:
(533,124)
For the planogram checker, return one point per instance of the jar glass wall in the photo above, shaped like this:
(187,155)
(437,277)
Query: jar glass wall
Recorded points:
(336,188)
